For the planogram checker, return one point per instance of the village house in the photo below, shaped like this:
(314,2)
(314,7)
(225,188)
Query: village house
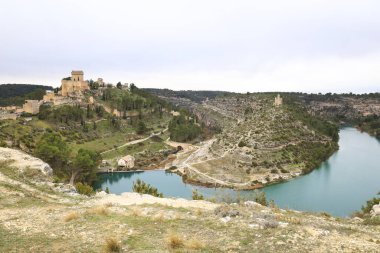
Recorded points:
(127,162)
(100,82)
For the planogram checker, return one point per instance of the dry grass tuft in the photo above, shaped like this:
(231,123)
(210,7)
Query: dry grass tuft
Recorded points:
(289,219)
(136,212)
(109,204)
(198,212)
(194,244)
(112,245)
(71,216)
(159,217)
(174,241)
(100,210)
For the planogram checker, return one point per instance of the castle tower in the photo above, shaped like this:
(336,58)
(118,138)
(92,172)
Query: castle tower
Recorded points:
(77,75)
(277,100)
(75,85)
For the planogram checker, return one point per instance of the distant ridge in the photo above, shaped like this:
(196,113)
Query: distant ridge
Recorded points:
(16,94)
(13,90)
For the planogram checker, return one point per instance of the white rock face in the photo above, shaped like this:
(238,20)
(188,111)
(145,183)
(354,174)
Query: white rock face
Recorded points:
(22,161)
(375,210)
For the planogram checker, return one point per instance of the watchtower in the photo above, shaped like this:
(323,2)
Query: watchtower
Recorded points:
(77,75)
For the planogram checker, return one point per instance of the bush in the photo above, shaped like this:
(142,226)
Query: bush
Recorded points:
(71,216)
(174,241)
(374,221)
(242,144)
(370,203)
(84,189)
(260,198)
(141,187)
(274,171)
(197,195)
(112,245)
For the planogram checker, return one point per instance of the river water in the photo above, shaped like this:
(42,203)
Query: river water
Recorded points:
(339,186)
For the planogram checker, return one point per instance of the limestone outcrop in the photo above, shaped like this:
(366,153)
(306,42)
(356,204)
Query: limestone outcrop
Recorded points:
(22,161)
(375,210)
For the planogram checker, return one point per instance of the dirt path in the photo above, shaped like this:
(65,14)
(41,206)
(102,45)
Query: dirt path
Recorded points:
(133,198)
(135,141)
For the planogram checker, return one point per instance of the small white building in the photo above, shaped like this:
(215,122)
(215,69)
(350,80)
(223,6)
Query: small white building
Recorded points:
(127,162)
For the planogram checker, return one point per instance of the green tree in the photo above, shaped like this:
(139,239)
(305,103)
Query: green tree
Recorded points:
(141,127)
(52,149)
(141,187)
(118,85)
(84,166)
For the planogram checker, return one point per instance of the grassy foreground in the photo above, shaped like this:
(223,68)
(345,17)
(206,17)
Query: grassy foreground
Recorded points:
(35,218)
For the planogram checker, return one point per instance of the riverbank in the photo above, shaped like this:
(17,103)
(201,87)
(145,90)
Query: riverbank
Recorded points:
(353,168)
(190,166)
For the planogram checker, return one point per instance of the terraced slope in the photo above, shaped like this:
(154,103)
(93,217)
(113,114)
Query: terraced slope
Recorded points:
(258,144)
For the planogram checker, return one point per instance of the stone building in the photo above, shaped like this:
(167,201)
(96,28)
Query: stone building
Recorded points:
(127,162)
(74,85)
(49,96)
(277,100)
(32,106)
(100,82)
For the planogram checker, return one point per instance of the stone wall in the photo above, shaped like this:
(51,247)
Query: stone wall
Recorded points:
(32,106)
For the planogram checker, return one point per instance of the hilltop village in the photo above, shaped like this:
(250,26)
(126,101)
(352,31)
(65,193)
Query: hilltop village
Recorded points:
(71,92)
(124,125)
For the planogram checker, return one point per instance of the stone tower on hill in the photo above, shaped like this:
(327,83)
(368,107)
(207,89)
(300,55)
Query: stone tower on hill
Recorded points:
(277,100)
(74,84)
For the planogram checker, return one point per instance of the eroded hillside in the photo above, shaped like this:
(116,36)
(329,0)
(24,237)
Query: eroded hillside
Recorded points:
(258,143)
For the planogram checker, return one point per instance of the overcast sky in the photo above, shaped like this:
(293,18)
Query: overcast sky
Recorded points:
(234,45)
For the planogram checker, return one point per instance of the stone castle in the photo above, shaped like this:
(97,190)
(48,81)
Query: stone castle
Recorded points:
(74,85)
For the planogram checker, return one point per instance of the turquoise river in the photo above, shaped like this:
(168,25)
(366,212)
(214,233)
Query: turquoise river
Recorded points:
(340,186)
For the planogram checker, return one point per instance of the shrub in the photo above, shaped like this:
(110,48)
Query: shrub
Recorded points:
(99,210)
(370,203)
(174,241)
(107,190)
(197,195)
(141,187)
(284,170)
(71,216)
(374,221)
(274,171)
(84,189)
(112,245)
(260,197)
(242,143)
(194,244)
